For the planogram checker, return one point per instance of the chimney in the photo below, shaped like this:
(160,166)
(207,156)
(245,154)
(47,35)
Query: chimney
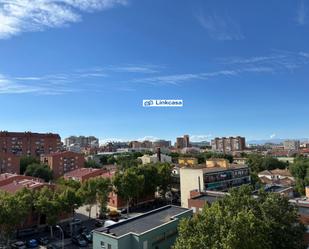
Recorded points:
(159,154)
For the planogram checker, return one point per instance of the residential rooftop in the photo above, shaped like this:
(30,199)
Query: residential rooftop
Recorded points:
(217,169)
(144,222)
(17,185)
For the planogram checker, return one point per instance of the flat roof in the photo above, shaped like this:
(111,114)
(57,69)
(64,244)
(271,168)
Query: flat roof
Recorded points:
(144,222)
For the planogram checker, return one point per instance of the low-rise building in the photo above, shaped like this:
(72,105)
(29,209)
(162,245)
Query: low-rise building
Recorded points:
(156,229)
(187,161)
(9,163)
(291,145)
(83,174)
(215,175)
(63,162)
(277,177)
(155,158)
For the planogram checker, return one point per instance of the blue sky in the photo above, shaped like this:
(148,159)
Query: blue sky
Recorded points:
(84,66)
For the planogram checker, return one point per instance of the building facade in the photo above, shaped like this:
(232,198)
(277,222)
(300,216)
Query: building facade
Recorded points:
(291,145)
(63,162)
(82,141)
(228,144)
(9,163)
(28,143)
(182,142)
(156,229)
(204,178)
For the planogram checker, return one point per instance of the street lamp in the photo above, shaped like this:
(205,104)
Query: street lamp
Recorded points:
(59,227)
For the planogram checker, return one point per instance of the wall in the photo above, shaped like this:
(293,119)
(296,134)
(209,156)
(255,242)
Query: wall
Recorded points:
(189,182)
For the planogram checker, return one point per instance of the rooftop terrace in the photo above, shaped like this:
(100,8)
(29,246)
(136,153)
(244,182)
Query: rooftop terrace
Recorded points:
(144,222)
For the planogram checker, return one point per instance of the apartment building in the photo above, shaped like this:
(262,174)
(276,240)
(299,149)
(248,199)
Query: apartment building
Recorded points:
(215,175)
(156,229)
(63,162)
(182,142)
(291,145)
(28,143)
(228,144)
(9,163)
(161,144)
(82,141)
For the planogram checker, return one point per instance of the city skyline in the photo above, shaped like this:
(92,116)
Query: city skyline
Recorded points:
(84,68)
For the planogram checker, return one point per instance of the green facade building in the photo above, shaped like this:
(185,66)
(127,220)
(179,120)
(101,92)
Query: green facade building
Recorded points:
(156,229)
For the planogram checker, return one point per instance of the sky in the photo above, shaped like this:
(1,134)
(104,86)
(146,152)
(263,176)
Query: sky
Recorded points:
(83,67)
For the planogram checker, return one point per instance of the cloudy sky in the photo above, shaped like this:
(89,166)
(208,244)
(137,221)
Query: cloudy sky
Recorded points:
(84,67)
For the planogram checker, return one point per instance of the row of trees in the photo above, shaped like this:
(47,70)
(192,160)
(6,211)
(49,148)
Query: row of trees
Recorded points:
(31,166)
(300,170)
(141,181)
(50,203)
(241,221)
(201,157)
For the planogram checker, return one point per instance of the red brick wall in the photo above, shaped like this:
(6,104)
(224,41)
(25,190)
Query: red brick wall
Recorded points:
(28,143)
(63,162)
(9,163)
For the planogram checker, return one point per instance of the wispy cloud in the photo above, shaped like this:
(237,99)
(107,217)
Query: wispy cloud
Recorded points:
(272,136)
(222,28)
(146,69)
(277,62)
(177,79)
(88,79)
(17,16)
(301,14)
(200,138)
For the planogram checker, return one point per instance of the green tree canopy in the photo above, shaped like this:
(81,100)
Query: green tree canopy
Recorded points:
(129,184)
(258,163)
(39,170)
(27,160)
(240,221)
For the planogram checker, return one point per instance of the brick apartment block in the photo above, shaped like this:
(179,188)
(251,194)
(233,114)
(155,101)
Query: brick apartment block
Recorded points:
(9,163)
(62,162)
(28,143)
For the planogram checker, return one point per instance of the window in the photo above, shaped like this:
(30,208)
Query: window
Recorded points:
(102,245)
(109,246)
(145,244)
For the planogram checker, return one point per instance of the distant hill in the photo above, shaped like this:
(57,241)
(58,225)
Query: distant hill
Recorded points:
(275,140)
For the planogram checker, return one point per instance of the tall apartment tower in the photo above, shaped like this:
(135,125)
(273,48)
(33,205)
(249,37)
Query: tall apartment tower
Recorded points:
(82,141)
(28,143)
(291,144)
(228,144)
(182,142)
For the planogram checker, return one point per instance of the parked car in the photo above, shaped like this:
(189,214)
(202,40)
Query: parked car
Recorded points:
(43,241)
(87,236)
(99,223)
(80,241)
(19,245)
(32,243)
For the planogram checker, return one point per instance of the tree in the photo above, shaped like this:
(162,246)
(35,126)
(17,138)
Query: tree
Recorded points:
(241,221)
(68,183)
(164,177)
(25,161)
(258,163)
(47,203)
(92,164)
(129,184)
(70,200)
(14,209)
(103,190)
(300,170)
(88,193)
(39,170)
